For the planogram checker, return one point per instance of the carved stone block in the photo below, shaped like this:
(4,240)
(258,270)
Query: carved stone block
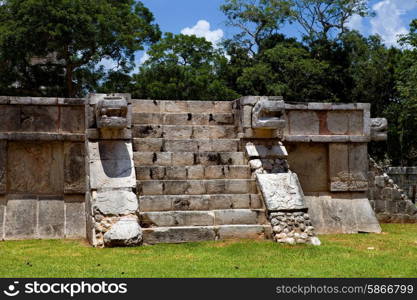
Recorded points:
(379,127)
(268,114)
(74,168)
(35,168)
(112,112)
(281,191)
(115,202)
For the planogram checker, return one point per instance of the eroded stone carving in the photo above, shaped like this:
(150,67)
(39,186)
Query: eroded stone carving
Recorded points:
(116,202)
(379,128)
(349,181)
(125,232)
(268,114)
(111,112)
(281,191)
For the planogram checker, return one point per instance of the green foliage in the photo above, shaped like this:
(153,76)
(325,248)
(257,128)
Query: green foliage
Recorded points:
(256,19)
(286,69)
(74,34)
(183,67)
(403,115)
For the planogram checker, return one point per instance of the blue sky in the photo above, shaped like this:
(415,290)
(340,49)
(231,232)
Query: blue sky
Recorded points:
(203,18)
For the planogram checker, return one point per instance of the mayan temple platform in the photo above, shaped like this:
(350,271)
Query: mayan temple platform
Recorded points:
(126,172)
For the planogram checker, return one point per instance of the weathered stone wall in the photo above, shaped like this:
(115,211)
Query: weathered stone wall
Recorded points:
(406,178)
(389,201)
(63,159)
(327,149)
(42,173)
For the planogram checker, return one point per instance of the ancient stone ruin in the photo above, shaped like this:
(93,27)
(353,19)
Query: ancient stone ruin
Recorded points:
(126,172)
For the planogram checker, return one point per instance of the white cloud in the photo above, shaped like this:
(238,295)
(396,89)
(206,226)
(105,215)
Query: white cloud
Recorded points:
(109,64)
(202,29)
(356,23)
(144,58)
(388,21)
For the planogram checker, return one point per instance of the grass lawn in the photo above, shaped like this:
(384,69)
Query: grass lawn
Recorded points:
(391,254)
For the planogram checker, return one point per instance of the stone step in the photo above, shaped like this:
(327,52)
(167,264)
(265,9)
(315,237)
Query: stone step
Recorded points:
(183,118)
(185,145)
(185,132)
(199,202)
(205,233)
(203,218)
(197,187)
(168,106)
(193,172)
(188,158)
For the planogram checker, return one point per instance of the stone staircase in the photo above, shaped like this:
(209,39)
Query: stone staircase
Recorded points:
(194,182)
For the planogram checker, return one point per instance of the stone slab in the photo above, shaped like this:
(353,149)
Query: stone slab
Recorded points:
(303,123)
(3,166)
(177,218)
(281,191)
(115,202)
(41,163)
(310,163)
(21,219)
(74,168)
(72,119)
(242,232)
(51,218)
(39,118)
(331,215)
(178,234)
(339,167)
(338,122)
(111,165)
(3,203)
(110,150)
(10,117)
(105,174)
(75,218)
(358,166)
(237,216)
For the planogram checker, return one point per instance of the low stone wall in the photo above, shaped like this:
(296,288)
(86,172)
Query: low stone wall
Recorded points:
(388,200)
(406,179)
(42,168)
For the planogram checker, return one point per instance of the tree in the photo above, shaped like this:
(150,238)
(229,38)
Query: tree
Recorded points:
(74,34)
(321,19)
(183,67)
(286,69)
(256,19)
(404,134)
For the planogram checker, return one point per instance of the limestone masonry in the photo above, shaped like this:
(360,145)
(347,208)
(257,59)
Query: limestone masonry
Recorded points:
(126,172)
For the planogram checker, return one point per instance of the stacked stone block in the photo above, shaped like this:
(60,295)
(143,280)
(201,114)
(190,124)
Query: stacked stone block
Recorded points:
(194,182)
(388,200)
(406,178)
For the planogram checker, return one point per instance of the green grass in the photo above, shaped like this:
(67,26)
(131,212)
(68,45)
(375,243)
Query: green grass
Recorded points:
(394,255)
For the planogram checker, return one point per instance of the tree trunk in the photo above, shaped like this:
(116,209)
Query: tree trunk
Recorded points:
(68,82)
